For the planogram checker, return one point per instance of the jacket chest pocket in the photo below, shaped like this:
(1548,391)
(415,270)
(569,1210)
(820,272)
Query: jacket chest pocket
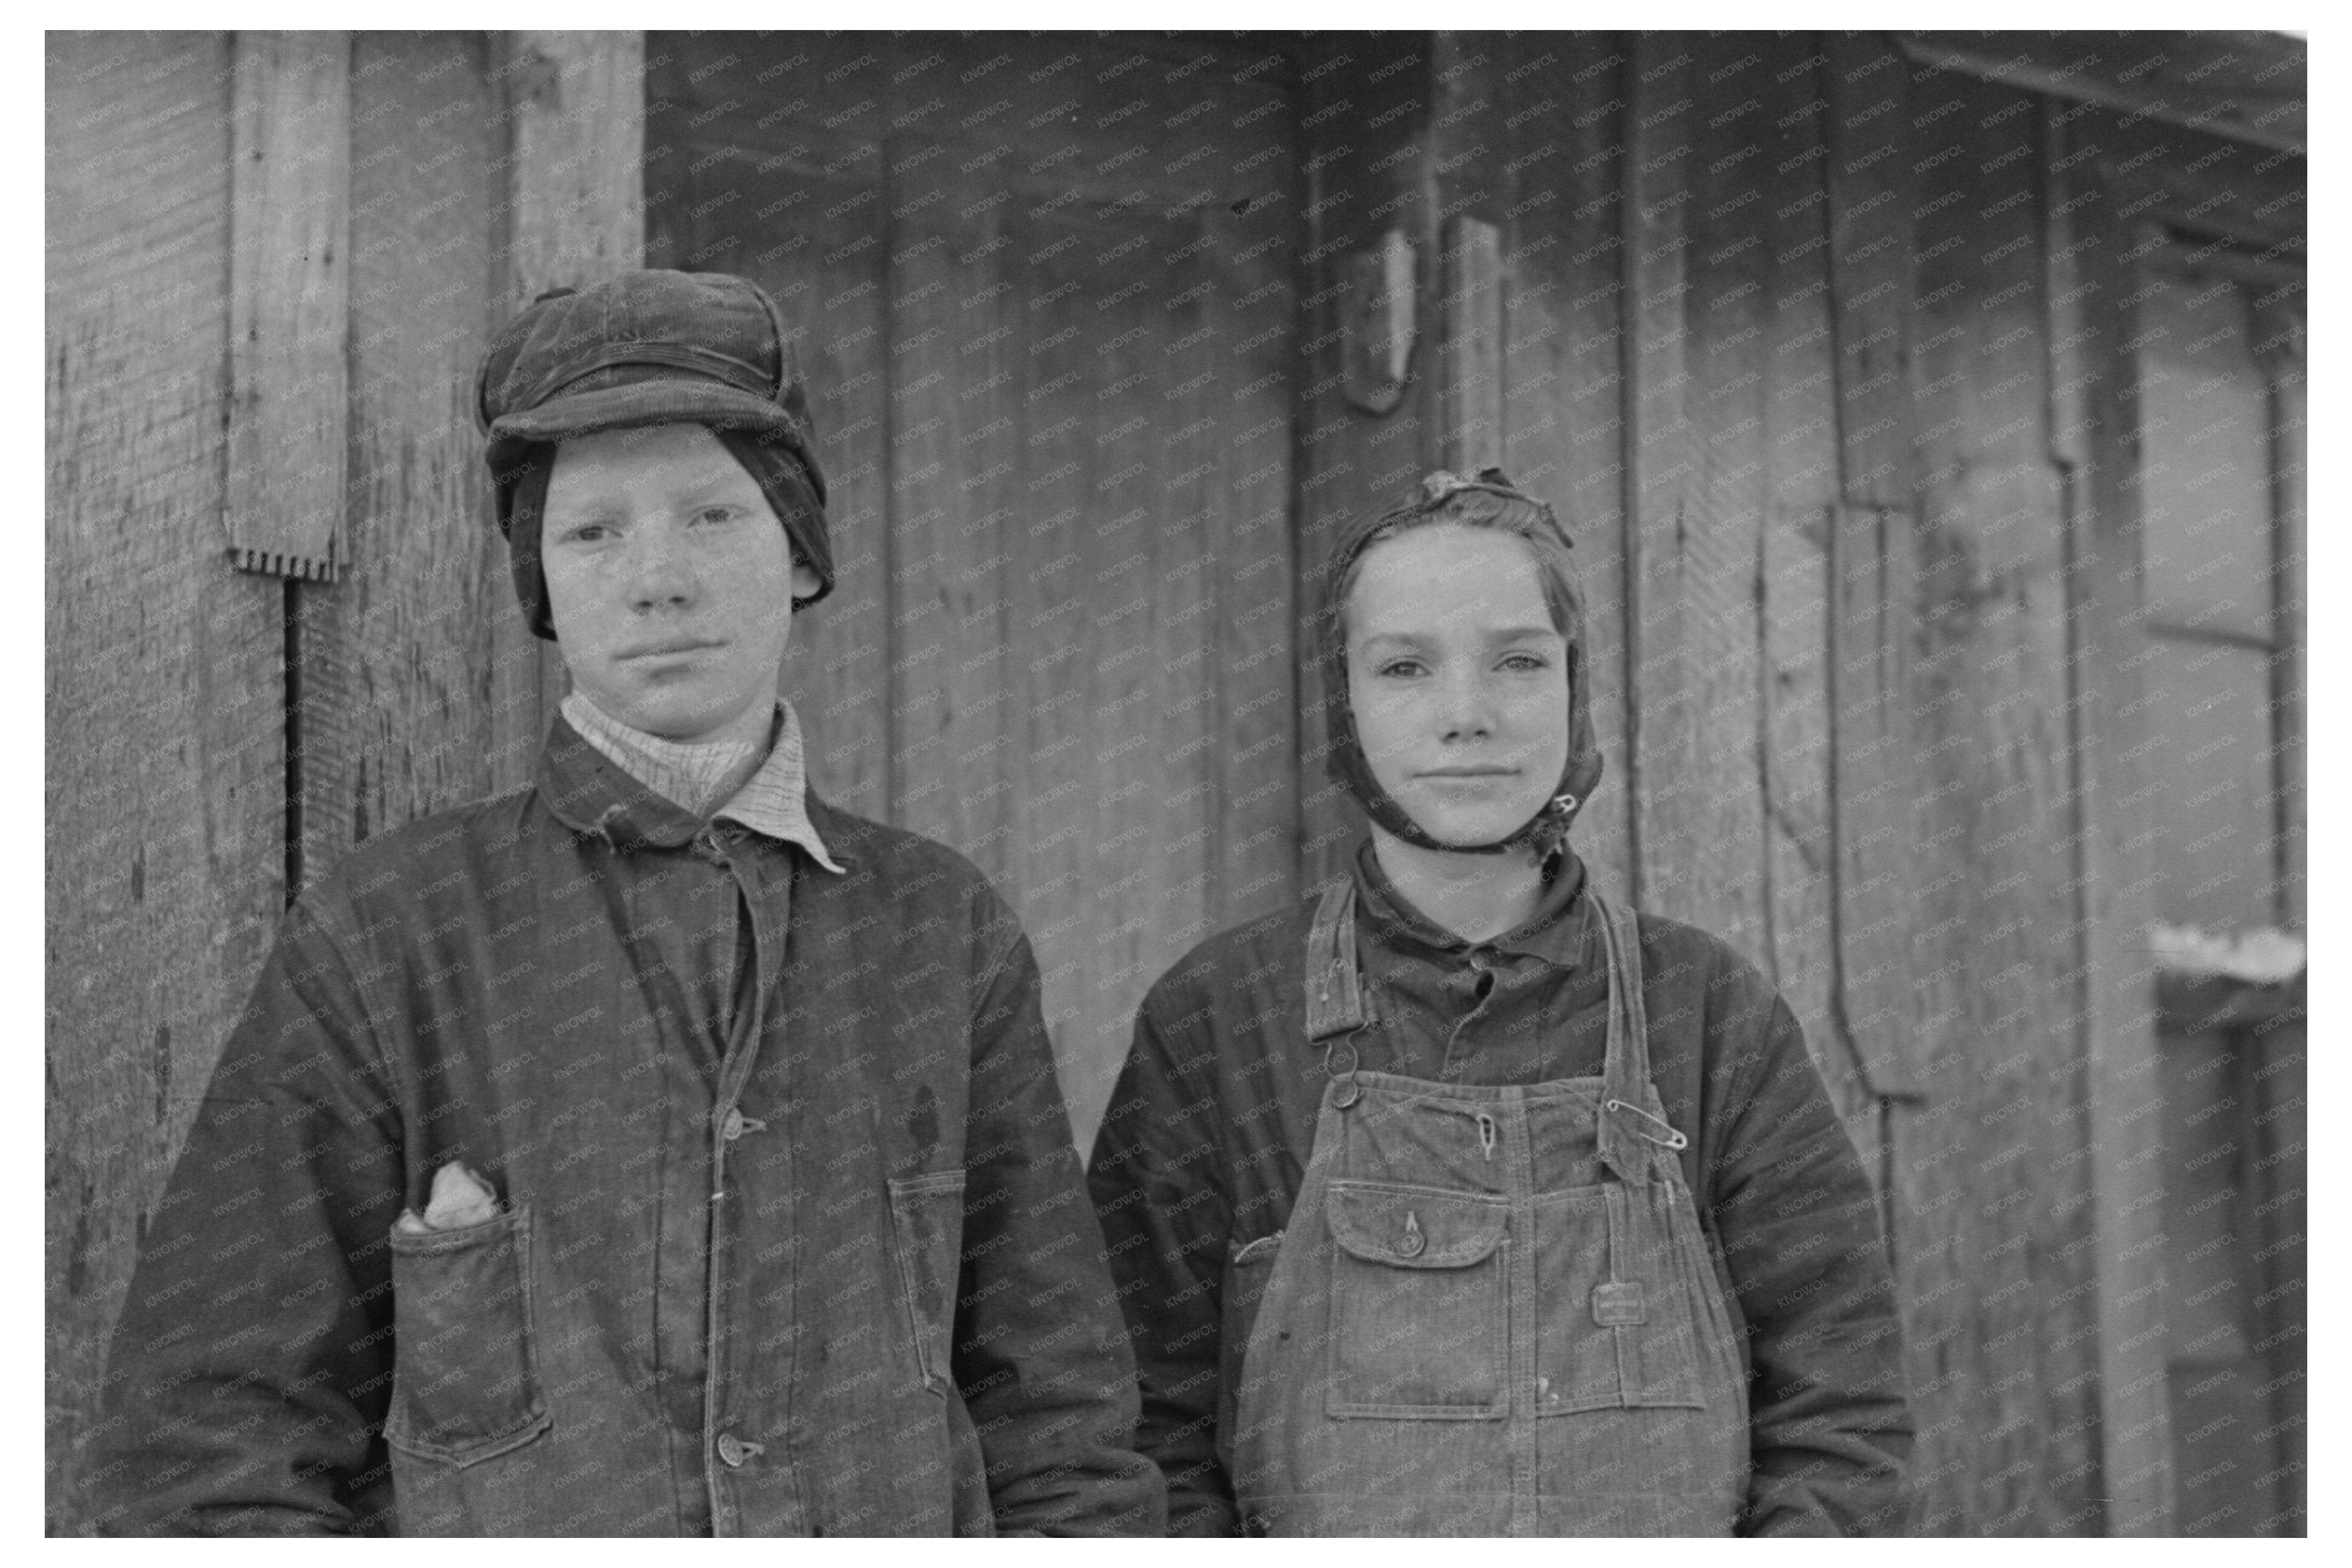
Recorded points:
(465,1375)
(1614,1296)
(927,1237)
(1418,1310)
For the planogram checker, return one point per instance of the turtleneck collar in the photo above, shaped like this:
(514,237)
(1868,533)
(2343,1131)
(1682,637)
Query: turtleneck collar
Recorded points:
(764,787)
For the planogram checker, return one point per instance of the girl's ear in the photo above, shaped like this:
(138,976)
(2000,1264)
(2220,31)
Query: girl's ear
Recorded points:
(805,581)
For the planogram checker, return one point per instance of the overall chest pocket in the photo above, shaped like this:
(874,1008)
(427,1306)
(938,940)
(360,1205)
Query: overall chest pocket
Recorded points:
(1615,1293)
(1418,1310)
(465,1375)
(927,1233)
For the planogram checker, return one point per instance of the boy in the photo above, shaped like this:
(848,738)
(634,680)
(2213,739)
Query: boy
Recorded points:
(655,1150)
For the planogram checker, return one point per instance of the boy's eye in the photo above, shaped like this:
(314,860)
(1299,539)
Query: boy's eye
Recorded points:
(586,533)
(1399,667)
(1525,662)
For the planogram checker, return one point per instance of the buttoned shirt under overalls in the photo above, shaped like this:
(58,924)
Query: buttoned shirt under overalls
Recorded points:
(1493,1311)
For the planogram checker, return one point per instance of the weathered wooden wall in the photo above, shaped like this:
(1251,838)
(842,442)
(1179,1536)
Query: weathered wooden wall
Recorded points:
(1859,380)
(219,738)
(1830,358)
(164,857)
(1047,293)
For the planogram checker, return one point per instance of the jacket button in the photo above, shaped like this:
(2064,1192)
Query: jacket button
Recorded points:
(734,1450)
(733,1127)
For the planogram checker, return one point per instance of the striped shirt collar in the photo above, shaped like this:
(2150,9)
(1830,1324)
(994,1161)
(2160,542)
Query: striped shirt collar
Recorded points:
(773,800)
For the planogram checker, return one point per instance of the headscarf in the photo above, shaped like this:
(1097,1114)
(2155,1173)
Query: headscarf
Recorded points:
(1490,501)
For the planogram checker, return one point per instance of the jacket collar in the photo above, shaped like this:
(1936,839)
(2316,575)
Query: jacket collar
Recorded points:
(1555,933)
(589,793)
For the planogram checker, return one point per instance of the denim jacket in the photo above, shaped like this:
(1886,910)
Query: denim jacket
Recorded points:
(825,1268)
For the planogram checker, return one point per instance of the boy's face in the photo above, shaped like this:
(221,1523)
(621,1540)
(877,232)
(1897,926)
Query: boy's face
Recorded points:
(669,580)
(1457,681)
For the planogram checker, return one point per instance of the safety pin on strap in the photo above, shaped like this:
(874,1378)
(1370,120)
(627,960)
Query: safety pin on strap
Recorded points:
(1674,1138)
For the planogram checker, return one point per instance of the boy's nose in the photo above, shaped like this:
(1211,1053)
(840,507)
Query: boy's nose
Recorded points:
(661,576)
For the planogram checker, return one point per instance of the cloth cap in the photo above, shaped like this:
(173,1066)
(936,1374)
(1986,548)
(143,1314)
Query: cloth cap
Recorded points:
(640,349)
(1344,758)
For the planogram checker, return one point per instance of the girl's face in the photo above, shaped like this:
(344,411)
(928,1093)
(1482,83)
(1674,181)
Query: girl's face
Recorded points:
(1458,680)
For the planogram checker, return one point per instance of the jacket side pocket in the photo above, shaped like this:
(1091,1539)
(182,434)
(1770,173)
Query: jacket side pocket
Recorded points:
(465,1375)
(927,1231)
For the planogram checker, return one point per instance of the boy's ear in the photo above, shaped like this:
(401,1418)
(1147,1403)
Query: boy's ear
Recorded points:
(805,581)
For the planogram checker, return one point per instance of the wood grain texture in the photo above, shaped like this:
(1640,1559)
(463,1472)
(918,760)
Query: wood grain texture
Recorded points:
(1659,468)
(1061,329)
(1995,1172)
(289,306)
(1564,423)
(1470,264)
(163,787)
(2111,853)
(1871,129)
(2094,356)
(1798,495)
(1364,116)
(1699,812)
(1871,206)
(799,226)
(2280,341)
(391,713)
(574,206)
(1252,742)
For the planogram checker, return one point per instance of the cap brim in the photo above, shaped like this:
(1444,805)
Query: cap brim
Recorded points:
(654,401)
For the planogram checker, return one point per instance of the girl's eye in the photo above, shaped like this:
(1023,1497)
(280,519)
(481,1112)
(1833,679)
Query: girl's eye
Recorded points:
(1526,663)
(718,514)
(587,533)
(1399,667)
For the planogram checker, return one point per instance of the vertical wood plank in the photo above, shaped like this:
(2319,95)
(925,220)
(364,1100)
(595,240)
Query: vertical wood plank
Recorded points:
(164,798)
(390,662)
(574,203)
(1659,468)
(1562,370)
(1996,1174)
(2112,775)
(1872,196)
(2279,333)
(289,200)
(1362,178)
(1800,450)
(1874,178)
(1699,803)
(1249,320)
(952,447)
(1471,266)
(1063,355)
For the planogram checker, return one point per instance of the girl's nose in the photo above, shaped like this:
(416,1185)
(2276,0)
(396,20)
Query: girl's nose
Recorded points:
(1467,711)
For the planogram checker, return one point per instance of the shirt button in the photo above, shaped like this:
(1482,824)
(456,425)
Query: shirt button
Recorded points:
(731,1128)
(730,1449)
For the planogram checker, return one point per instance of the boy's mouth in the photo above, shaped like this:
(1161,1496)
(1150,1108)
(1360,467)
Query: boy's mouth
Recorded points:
(670,647)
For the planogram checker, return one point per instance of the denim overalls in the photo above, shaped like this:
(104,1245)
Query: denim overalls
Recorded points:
(1494,1313)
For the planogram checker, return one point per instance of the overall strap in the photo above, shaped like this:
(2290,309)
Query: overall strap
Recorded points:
(1627,1094)
(1335,991)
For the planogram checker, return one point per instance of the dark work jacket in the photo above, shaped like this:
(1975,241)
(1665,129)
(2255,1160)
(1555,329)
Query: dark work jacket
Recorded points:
(817,1263)
(1206,1137)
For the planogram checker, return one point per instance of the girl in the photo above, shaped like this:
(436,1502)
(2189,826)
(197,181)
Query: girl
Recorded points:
(1459,1200)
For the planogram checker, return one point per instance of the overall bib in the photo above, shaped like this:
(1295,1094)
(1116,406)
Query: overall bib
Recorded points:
(1493,1311)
